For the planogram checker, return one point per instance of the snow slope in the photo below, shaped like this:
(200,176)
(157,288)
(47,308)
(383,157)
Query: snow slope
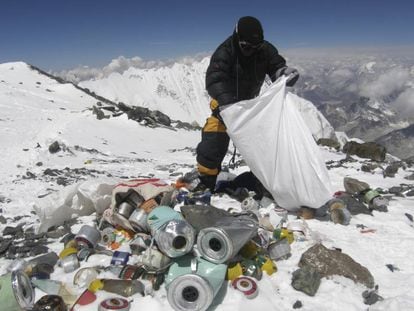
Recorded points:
(31,118)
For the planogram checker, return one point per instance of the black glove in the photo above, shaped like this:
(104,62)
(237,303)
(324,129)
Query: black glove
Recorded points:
(291,73)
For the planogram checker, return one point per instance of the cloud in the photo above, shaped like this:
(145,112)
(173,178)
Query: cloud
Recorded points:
(385,84)
(405,103)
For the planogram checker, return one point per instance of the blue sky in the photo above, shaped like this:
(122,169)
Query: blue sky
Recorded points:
(58,34)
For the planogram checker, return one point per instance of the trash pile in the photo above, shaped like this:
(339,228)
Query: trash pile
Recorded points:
(156,233)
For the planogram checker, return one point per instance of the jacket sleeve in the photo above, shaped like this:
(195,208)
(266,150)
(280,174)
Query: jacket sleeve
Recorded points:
(276,61)
(219,82)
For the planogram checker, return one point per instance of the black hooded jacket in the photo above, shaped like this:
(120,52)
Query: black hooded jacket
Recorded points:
(232,77)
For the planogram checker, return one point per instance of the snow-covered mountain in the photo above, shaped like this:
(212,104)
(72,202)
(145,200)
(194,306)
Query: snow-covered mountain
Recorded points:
(36,111)
(178,91)
(366,95)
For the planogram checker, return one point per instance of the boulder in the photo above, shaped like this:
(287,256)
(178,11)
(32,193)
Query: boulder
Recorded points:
(332,262)
(370,150)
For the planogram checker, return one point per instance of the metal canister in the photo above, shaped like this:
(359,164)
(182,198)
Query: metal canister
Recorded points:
(50,302)
(115,303)
(69,263)
(138,220)
(154,259)
(176,238)
(131,272)
(16,291)
(279,250)
(125,209)
(108,236)
(173,235)
(88,236)
(220,243)
(192,283)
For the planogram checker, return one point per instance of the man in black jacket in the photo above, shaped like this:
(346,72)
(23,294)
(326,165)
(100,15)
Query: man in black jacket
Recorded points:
(236,72)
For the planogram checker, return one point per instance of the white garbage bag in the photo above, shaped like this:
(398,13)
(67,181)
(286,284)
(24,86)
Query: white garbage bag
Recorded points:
(80,199)
(276,144)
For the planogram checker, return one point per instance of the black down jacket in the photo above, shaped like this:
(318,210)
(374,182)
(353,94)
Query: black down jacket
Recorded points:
(232,77)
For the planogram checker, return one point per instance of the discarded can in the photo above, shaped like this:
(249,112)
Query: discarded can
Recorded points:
(16,291)
(85,276)
(67,252)
(140,243)
(125,209)
(220,243)
(249,204)
(108,236)
(50,302)
(251,268)
(249,250)
(234,270)
(120,258)
(138,220)
(279,250)
(88,237)
(192,283)
(125,288)
(130,272)
(174,236)
(284,233)
(116,303)
(84,253)
(69,263)
(154,259)
(247,286)
(266,264)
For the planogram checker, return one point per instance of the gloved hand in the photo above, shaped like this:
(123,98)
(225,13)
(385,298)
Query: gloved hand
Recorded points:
(290,72)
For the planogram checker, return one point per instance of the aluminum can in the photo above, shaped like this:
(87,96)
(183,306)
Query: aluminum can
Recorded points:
(88,237)
(16,291)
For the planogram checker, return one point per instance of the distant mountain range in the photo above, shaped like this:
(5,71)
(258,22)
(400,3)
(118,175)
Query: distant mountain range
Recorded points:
(367,97)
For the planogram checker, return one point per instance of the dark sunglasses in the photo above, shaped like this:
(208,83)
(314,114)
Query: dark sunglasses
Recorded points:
(248,46)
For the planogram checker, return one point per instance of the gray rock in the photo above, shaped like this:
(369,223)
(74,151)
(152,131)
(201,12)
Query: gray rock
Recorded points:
(3,220)
(37,250)
(353,185)
(4,246)
(54,147)
(13,230)
(332,143)
(331,262)
(371,296)
(353,205)
(298,304)
(307,280)
(409,177)
(392,169)
(409,193)
(395,190)
(368,150)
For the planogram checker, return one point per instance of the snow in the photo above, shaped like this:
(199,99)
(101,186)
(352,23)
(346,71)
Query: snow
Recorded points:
(32,118)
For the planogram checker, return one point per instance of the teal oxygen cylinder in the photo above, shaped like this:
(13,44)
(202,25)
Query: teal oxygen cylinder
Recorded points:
(172,233)
(192,283)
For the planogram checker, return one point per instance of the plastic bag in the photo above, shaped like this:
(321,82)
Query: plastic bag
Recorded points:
(276,144)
